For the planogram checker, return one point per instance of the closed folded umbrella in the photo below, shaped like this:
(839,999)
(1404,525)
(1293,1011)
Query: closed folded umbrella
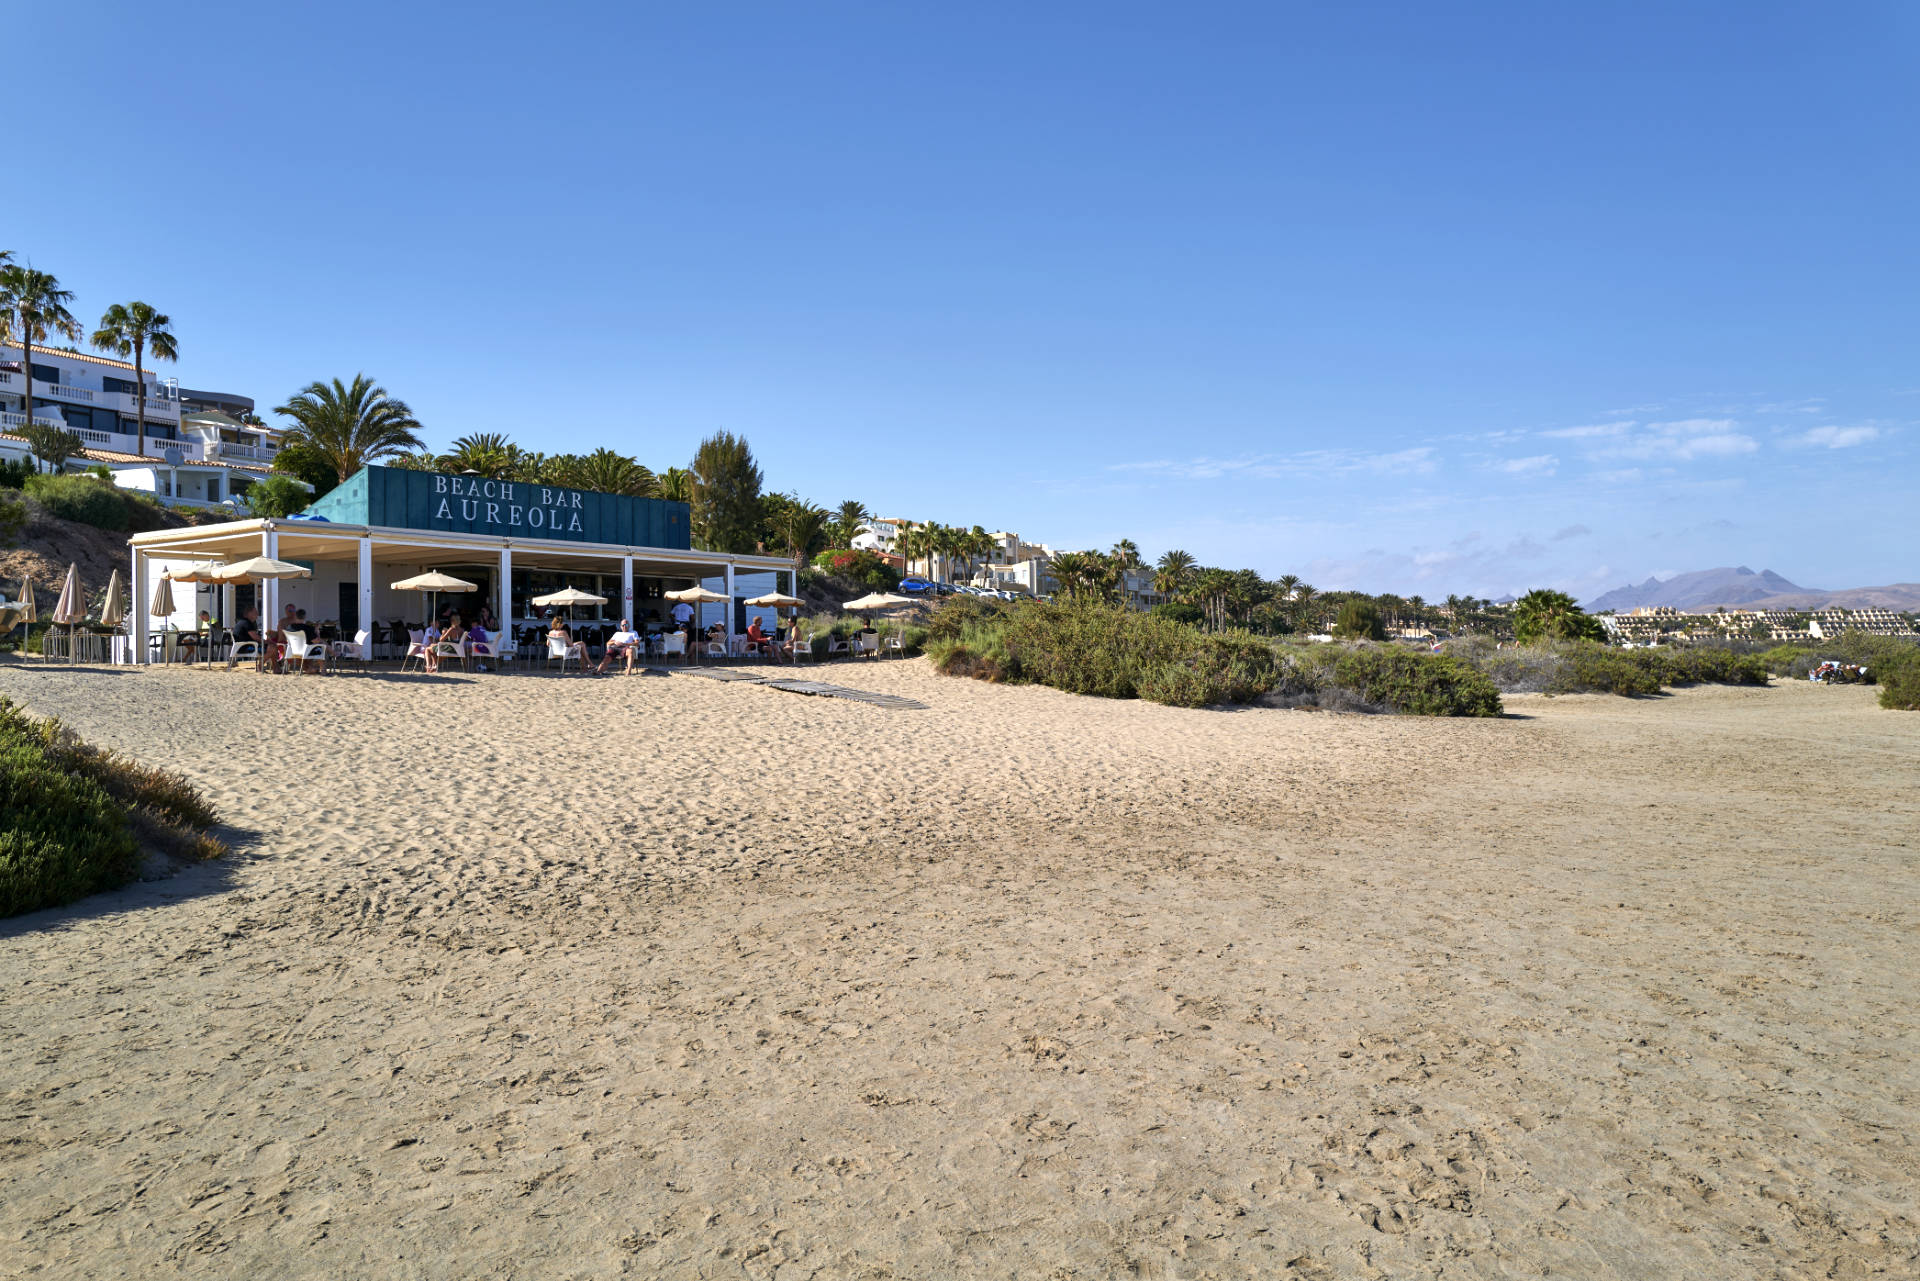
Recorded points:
(67,612)
(162,606)
(29,614)
(113,610)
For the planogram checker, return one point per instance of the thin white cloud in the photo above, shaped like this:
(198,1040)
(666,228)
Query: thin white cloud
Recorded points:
(1836,437)
(1417,461)
(1590,430)
(1571,531)
(1538,465)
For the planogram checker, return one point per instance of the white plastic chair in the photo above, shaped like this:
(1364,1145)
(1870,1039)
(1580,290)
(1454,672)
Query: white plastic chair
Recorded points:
(237,650)
(451,649)
(486,650)
(359,649)
(866,646)
(561,648)
(302,651)
(416,648)
(674,643)
(716,649)
(837,644)
(799,645)
(896,645)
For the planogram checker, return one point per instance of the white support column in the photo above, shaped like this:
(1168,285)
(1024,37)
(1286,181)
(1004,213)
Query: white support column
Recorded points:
(142,601)
(504,591)
(729,607)
(366,584)
(269,592)
(626,587)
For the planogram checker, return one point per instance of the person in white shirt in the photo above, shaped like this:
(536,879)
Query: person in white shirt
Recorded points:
(624,641)
(683,614)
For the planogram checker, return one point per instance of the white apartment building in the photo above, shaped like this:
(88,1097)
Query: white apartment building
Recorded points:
(879,535)
(195,452)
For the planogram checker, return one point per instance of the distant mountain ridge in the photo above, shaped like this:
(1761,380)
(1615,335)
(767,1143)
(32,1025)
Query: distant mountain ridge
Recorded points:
(1739,586)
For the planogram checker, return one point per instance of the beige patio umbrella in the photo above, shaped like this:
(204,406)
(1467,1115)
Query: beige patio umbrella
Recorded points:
(780,604)
(68,612)
(433,582)
(570,596)
(695,596)
(878,600)
(258,569)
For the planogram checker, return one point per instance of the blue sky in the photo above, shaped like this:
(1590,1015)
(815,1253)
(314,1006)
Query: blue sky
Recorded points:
(1414,297)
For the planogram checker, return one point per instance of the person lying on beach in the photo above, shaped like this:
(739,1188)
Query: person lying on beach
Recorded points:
(621,642)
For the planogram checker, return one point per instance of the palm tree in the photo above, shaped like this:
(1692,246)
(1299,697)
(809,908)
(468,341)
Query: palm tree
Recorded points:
(803,528)
(134,329)
(1544,614)
(1173,571)
(32,305)
(1286,583)
(1126,554)
(488,453)
(1303,594)
(676,485)
(847,520)
(350,426)
(608,472)
(1077,574)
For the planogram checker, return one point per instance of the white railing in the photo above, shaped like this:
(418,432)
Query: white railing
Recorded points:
(67,391)
(92,437)
(20,420)
(157,406)
(230,450)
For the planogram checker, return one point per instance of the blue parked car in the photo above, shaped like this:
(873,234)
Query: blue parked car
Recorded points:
(914,584)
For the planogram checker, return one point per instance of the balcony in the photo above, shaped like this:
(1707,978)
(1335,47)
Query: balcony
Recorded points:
(66,391)
(258,453)
(14,422)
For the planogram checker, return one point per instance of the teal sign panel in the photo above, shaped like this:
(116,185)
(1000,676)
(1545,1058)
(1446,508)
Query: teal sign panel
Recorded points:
(404,499)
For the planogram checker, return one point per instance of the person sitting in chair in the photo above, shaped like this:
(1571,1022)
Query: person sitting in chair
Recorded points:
(569,646)
(621,643)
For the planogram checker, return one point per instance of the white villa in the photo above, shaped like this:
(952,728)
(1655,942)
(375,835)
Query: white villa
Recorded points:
(196,451)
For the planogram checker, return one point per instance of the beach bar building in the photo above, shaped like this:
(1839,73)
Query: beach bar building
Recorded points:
(515,541)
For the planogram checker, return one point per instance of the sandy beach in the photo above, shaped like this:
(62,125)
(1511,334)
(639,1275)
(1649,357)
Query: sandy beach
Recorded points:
(662,976)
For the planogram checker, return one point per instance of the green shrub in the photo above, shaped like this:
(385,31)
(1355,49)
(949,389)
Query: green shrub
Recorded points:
(14,473)
(1709,665)
(863,567)
(83,499)
(1179,612)
(957,613)
(1899,677)
(1417,683)
(13,519)
(277,496)
(1359,620)
(73,817)
(1596,669)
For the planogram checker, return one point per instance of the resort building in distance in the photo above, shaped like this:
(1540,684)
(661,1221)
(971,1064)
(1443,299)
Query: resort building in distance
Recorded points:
(197,450)
(1663,624)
